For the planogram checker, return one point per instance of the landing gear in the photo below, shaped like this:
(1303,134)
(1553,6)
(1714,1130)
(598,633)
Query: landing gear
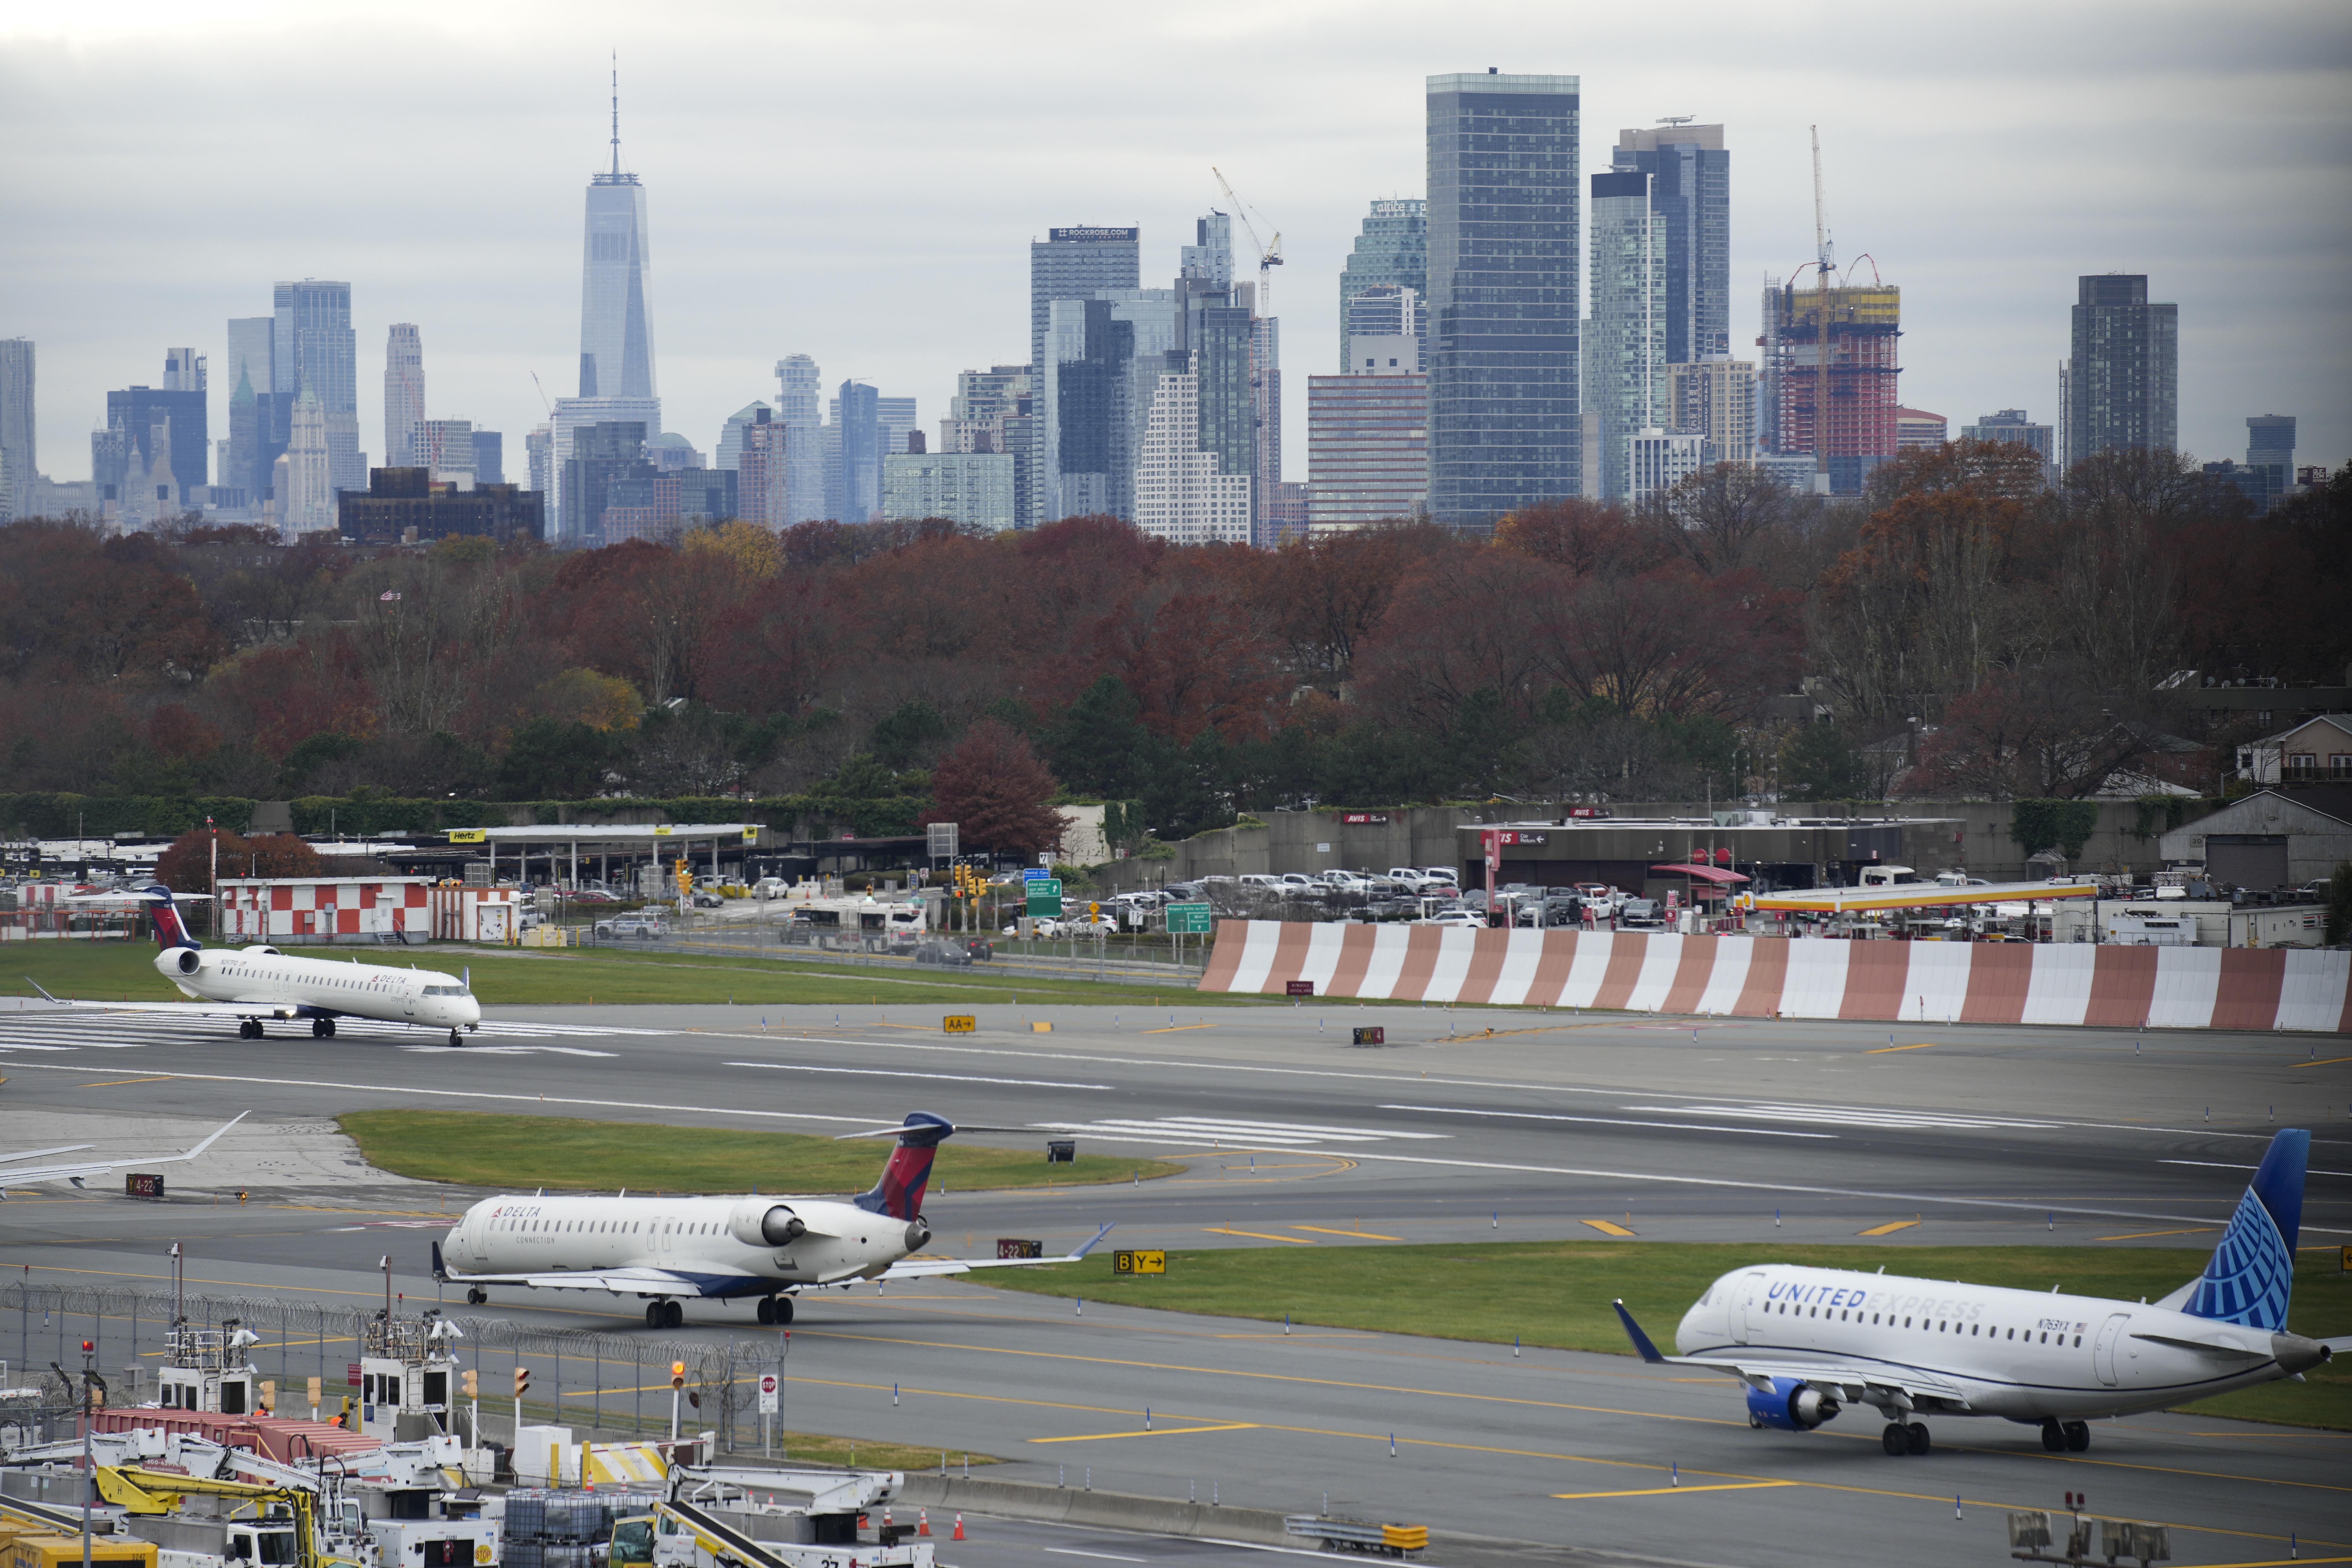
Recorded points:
(1916,1436)
(249,1029)
(2054,1436)
(654,1313)
(1894,1440)
(775,1310)
(322,1029)
(455,1039)
(2078,1436)
(476,1296)
(665,1315)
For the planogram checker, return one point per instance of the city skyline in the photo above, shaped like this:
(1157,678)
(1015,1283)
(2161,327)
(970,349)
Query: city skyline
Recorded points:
(764,257)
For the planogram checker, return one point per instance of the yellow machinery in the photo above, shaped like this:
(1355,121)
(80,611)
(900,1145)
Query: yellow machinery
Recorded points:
(633,1541)
(39,1550)
(286,1535)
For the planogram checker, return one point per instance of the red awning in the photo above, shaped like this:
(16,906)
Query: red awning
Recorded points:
(1704,873)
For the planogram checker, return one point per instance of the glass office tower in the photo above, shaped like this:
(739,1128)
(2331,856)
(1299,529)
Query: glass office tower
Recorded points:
(315,352)
(1690,188)
(1391,259)
(2123,383)
(1505,284)
(616,325)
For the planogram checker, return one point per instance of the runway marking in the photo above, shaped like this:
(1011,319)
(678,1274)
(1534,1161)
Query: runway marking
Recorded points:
(932,1076)
(1607,1227)
(1883,1050)
(118,1082)
(2331,1061)
(1156,1432)
(2225,1165)
(1280,1134)
(2144,1235)
(1177,1029)
(1073,1551)
(1614,1122)
(1889,1228)
(1859,1116)
(1327,1230)
(1256,1236)
(1677,1491)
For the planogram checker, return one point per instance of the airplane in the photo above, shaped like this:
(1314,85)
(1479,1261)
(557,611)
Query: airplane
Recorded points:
(1808,1341)
(75,1171)
(255,982)
(664,1249)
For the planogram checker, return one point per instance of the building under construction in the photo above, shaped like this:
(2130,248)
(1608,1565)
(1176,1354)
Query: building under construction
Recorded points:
(1857,383)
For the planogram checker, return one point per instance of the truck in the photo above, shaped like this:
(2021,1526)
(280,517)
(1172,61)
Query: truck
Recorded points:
(712,1518)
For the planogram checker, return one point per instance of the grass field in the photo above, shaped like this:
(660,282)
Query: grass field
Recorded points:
(124,972)
(1558,1293)
(567,1154)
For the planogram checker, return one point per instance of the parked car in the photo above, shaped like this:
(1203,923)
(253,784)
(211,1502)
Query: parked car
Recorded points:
(1258,880)
(1465,919)
(644,928)
(708,901)
(1642,912)
(1409,877)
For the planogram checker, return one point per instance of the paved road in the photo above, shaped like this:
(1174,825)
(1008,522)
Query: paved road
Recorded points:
(1679,1132)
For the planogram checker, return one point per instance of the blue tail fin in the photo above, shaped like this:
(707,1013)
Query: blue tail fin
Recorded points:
(171,930)
(900,1193)
(2253,1268)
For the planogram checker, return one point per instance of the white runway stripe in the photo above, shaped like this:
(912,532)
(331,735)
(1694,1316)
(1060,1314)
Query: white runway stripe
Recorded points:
(1852,1116)
(1614,1122)
(931,1076)
(62,1029)
(1205,1129)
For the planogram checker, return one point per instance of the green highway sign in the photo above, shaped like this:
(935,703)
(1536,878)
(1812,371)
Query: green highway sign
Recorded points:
(1187,919)
(1045,896)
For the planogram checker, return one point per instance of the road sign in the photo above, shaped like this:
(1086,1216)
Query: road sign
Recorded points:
(1298,988)
(1187,919)
(959,1024)
(1034,874)
(1154,1262)
(768,1391)
(1044,896)
(1377,1034)
(942,837)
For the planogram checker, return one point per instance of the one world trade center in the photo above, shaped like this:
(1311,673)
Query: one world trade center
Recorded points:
(616,329)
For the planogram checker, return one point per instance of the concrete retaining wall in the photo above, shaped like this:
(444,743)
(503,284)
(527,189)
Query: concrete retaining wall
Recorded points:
(1911,982)
(943,1494)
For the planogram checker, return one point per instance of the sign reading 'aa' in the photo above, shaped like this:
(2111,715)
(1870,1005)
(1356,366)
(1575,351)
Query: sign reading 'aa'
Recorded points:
(959,1024)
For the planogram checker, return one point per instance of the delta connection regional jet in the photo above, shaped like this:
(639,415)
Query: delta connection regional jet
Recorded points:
(1807,1342)
(664,1248)
(252,984)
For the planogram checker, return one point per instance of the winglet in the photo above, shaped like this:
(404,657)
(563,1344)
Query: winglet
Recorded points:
(440,1274)
(209,1142)
(41,988)
(1642,1345)
(1090,1246)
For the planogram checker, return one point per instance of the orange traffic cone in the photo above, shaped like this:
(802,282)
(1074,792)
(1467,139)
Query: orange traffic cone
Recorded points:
(922,1521)
(958,1528)
(886,1519)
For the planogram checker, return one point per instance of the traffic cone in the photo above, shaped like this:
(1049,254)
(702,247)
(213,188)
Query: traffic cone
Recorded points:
(922,1521)
(886,1519)
(958,1528)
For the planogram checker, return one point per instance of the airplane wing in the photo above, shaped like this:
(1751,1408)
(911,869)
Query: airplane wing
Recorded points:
(926,1268)
(231,1009)
(618,1281)
(12,1174)
(1852,1383)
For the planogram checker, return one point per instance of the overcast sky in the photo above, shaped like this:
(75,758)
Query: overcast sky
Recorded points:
(861,184)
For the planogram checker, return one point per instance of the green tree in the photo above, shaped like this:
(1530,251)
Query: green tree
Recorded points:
(1816,764)
(913,734)
(1098,743)
(549,760)
(2339,905)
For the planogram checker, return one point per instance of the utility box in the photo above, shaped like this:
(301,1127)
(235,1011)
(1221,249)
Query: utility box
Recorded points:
(1061,1151)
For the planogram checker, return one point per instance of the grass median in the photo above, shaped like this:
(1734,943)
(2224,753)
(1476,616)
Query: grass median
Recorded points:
(569,1153)
(124,972)
(1557,1294)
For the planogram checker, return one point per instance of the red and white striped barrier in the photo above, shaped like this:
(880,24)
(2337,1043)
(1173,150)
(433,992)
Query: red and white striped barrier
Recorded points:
(1910,982)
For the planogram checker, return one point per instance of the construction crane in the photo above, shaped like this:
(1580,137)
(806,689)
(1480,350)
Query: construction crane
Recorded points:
(1826,261)
(1268,256)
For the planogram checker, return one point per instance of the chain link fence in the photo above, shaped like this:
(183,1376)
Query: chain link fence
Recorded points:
(589,1381)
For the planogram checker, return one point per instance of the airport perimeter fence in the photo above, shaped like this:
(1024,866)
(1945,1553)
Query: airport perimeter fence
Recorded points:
(608,1383)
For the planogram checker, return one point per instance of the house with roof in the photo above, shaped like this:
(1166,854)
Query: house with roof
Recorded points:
(2318,749)
(2271,838)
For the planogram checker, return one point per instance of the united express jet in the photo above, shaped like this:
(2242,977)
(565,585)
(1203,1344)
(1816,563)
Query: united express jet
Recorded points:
(258,982)
(664,1250)
(1808,1341)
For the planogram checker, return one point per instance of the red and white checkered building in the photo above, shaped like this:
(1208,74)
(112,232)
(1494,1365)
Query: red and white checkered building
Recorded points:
(299,909)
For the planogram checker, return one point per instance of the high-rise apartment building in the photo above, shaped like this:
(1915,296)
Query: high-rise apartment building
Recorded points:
(539,463)
(983,399)
(572,415)
(445,449)
(1388,312)
(730,450)
(307,502)
(1917,430)
(1265,414)
(2269,439)
(970,487)
(1208,259)
(1690,188)
(800,409)
(1504,282)
(616,324)
(183,371)
(2122,383)
(1858,326)
(1367,443)
(315,352)
(1072,264)
(597,455)
(1624,347)
(1659,459)
(857,427)
(2012,426)
(1182,492)
(404,395)
(489,459)
(894,419)
(17,426)
(1390,258)
(762,465)
(1715,397)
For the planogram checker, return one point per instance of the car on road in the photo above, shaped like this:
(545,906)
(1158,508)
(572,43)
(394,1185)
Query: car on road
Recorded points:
(931,949)
(644,927)
(592,896)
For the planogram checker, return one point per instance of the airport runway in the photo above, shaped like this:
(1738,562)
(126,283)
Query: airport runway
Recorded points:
(1678,1130)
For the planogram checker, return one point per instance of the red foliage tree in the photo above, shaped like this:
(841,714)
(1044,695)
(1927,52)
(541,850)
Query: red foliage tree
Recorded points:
(994,788)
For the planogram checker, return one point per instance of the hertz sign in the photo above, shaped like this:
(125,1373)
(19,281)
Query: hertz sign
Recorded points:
(1154,1262)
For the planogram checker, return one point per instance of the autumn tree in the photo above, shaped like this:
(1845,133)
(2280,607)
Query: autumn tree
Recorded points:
(993,787)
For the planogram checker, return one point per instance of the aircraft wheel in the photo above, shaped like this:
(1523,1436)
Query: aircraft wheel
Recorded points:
(766,1310)
(655,1317)
(1754,1421)
(331,1028)
(2078,1436)
(455,1039)
(247,1029)
(1917,1434)
(476,1296)
(2054,1436)
(673,1315)
(320,1028)
(1894,1440)
(784,1309)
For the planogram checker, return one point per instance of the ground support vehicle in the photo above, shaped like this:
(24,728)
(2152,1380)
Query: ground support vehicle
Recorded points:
(769,1519)
(1341,1534)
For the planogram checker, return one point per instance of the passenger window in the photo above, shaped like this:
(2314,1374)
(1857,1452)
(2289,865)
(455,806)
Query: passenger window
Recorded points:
(2078,1341)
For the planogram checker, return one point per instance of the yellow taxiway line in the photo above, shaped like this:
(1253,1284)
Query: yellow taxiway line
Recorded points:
(1154,1432)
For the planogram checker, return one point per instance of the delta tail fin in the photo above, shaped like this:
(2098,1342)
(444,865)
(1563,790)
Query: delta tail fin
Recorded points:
(900,1193)
(2253,1270)
(171,930)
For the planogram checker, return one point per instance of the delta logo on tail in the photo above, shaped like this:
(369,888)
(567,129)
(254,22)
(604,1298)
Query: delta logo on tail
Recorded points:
(1810,1341)
(171,930)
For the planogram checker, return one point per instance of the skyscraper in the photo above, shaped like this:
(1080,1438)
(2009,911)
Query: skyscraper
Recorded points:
(17,425)
(258,417)
(857,419)
(404,395)
(489,459)
(1690,188)
(1504,282)
(1625,348)
(147,418)
(893,418)
(315,352)
(800,409)
(2123,380)
(446,448)
(616,325)
(1367,445)
(183,371)
(1391,254)
(307,503)
(2269,439)
(1858,327)
(1071,264)
(1182,492)
(730,451)
(2012,426)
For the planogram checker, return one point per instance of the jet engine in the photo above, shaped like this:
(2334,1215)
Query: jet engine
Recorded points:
(917,1233)
(190,961)
(1790,1405)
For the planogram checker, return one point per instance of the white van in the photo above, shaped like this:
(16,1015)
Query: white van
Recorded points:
(1887,876)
